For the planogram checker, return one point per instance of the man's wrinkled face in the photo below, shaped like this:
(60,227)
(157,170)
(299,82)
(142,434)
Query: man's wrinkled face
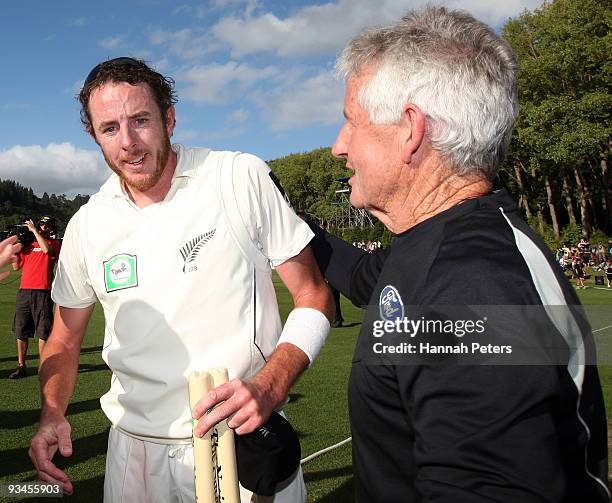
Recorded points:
(127,124)
(372,151)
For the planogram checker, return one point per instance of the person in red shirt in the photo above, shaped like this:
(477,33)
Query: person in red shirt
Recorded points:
(34,307)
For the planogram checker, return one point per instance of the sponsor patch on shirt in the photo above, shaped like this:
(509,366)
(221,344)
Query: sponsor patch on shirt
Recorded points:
(390,304)
(120,272)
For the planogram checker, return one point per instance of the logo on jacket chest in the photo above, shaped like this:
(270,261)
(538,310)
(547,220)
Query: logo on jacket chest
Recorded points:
(390,305)
(190,250)
(120,271)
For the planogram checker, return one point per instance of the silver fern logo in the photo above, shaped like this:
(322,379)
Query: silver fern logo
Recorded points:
(190,250)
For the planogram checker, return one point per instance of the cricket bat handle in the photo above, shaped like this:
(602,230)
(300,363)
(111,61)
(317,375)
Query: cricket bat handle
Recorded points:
(204,469)
(226,451)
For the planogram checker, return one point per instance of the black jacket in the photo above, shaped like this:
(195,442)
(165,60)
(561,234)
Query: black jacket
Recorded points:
(470,424)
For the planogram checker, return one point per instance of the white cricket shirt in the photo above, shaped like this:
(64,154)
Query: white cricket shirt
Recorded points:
(177,293)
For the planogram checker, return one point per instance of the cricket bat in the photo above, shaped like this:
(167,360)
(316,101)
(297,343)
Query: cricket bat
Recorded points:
(214,455)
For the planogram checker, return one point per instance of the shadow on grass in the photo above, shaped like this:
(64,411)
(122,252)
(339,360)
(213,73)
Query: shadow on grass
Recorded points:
(33,371)
(344,471)
(348,325)
(6,372)
(17,461)
(295,397)
(86,367)
(91,349)
(14,359)
(16,419)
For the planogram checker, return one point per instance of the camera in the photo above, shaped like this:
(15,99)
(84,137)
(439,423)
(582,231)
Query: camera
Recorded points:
(24,235)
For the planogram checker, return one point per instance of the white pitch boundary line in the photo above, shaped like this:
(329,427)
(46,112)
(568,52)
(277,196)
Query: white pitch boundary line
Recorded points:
(594,288)
(603,328)
(326,450)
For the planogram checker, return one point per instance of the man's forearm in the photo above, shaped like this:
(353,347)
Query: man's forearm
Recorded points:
(349,269)
(60,361)
(42,242)
(320,299)
(281,371)
(58,373)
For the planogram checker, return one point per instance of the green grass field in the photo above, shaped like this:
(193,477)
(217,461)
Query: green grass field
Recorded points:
(318,406)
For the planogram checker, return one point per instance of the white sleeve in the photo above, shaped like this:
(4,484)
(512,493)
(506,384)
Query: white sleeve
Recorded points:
(72,286)
(268,217)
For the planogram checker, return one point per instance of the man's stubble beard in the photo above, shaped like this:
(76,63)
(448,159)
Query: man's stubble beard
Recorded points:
(151,180)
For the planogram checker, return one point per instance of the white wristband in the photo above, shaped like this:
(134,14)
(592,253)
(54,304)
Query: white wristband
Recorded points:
(307,329)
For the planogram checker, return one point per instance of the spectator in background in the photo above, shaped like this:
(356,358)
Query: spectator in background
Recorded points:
(338,319)
(601,253)
(593,255)
(561,261)
(608,271)
(579,272)
(9,248)
(33,306)
(585,250)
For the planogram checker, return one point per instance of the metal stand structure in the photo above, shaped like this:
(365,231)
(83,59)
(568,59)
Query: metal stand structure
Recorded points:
(347,216)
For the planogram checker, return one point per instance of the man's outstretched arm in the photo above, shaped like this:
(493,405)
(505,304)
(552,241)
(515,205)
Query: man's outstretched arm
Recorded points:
(58,372)
(352,271)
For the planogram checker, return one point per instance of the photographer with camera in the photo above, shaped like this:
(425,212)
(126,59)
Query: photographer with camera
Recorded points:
(34,307)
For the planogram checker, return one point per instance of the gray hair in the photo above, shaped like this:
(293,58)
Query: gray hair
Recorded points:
(456,69)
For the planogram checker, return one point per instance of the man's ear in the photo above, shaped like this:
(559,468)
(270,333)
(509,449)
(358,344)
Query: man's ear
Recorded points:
(170,121)
(413,127)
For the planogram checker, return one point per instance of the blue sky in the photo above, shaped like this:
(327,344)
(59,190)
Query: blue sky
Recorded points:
(251,75)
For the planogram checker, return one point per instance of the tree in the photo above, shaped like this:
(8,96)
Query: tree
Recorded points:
(18,203)
(565,103)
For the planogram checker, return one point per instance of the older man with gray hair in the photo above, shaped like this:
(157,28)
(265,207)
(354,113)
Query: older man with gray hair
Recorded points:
(474,375)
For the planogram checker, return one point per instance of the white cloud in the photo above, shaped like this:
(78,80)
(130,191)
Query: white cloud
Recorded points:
(315,29)
(161,65)
(223,134)
(494,13)
(111,42)
(218,83)
(224,3)
(239,116)
(315,100)
(184,135)
(186,43)
(17,106)
(79,22)
(57,168)
(324,29)
(182,9)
